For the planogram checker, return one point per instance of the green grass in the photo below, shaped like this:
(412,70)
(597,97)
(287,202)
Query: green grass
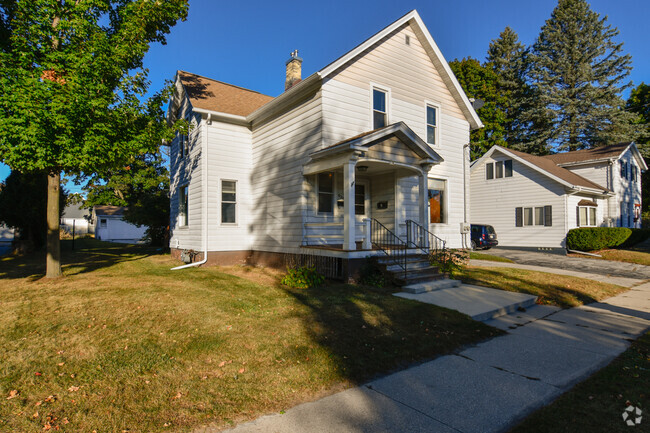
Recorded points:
(560,290)
(597,404)
(492,258)
(122,343)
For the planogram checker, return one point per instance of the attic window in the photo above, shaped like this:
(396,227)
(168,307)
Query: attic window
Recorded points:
(407,40)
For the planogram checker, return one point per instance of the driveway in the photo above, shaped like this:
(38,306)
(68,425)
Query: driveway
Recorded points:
(593,266)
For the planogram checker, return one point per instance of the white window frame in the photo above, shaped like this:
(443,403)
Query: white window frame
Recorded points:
(183,218)
(386,90)
(436,138)
(445,201)
(221,202)
(590,223)
(316,210)
(103,223)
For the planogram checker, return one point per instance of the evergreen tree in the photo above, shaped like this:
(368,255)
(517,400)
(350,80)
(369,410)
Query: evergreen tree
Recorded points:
(639,104)
(507,57)
(480,82)
(577,74)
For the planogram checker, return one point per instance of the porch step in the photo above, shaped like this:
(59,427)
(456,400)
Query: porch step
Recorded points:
(430,286)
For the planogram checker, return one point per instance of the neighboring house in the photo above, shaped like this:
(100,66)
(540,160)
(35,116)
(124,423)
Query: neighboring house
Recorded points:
(76,219)
(109,225)
(533,201)
(6,238)
(373,140)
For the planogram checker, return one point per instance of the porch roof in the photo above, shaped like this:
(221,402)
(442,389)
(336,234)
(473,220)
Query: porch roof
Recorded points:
(367,139)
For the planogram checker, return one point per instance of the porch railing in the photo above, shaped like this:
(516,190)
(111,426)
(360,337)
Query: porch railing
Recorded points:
(390,244)
(421,238)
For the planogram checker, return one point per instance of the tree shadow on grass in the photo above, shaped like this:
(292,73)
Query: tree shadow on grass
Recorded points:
(369,332)
(88,255)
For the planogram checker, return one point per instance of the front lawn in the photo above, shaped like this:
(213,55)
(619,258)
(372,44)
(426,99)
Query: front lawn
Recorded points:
(597,404)
(560,290)
(122,343)
(638,257)
(490,257)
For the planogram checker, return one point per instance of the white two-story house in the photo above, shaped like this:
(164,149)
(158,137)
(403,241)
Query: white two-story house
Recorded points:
(533,201)
(370,148)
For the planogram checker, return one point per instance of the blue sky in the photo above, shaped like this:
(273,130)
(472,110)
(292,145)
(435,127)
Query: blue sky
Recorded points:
(247,43)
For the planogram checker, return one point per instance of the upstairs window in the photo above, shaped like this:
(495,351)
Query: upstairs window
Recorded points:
(623,169)
(379,111)
(325,192)
(228,202)
(498,169)
(183,145)
(432,124)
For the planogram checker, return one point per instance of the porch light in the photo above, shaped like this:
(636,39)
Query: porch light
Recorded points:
(362,168)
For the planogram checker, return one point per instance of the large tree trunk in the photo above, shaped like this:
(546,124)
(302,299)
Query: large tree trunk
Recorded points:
(53,222)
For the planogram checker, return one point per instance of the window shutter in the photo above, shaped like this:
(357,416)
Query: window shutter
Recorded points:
(519,217)
(548,216)
(577,216)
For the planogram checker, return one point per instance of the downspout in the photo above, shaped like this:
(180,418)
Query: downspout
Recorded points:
(465,160)
(204,155)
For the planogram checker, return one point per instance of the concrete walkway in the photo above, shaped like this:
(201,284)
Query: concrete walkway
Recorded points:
(485,388)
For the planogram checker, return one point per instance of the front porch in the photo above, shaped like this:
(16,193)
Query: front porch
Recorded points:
(370,193)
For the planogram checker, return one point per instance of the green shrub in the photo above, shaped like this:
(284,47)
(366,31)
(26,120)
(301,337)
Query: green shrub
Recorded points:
(596,238)
(302,278)
(449,260)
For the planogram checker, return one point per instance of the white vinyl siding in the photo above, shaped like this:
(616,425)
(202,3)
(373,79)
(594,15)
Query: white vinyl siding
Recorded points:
(495,202)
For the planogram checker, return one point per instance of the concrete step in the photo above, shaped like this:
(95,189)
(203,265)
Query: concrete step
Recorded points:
(430,286)
(419,276)
(480,303)
(411,265)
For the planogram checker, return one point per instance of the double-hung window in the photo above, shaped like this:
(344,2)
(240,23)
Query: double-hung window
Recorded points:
(586,216)
(325,192)
(183,206)
(498,169)
(432,124)
(379,108)
(228,202)
(534,216)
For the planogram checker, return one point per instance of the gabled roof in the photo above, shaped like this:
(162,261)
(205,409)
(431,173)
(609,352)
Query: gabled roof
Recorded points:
(220,97)
(365,140)
(548,168)
(413,18)
(596,154)
(109,210)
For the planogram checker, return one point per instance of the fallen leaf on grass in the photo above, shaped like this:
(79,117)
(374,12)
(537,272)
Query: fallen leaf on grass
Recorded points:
(12,394)
(73,388)
(241,370)
(177,396)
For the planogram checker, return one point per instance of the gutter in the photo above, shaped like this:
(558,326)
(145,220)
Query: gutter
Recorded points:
(205,200)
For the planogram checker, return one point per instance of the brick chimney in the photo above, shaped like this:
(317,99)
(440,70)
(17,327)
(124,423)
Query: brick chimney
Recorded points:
(294,70)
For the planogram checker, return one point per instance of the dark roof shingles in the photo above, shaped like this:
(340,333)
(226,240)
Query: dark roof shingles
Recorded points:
(597,153)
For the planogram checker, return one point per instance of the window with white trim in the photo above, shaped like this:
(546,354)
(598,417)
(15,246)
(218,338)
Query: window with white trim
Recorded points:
(379,108)
(325,190)
(586,216)
(437,204)
(534,216)
(228,201)
(183,206)
(103,223)
(498,169)
(432,124)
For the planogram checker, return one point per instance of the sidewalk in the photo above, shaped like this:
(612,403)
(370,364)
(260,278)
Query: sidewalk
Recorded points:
(485,388)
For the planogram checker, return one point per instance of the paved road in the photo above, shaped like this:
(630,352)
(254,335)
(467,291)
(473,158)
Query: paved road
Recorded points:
(485,388)
(595,266)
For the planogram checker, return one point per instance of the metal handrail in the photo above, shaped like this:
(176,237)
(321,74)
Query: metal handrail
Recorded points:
(416,235)
(389,243)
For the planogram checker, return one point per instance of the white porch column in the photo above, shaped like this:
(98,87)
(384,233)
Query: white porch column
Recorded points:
(424,204)
(367,241)
(348,206)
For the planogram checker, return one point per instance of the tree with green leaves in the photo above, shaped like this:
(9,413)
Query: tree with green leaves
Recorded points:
(72,82)
(578,72)
(639,104)
(23,206)
(480,82)
(507,57)
(143,187)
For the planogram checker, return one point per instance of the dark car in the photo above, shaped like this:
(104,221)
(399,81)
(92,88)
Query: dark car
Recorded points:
(483,237)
